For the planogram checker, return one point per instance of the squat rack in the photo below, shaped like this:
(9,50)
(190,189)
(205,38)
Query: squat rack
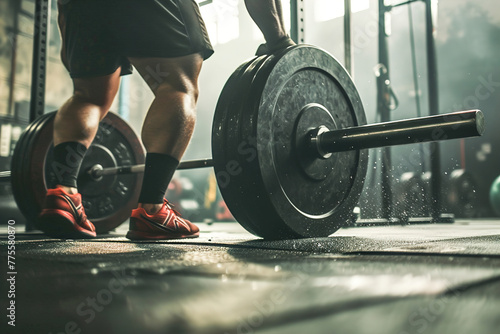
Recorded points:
(384,107)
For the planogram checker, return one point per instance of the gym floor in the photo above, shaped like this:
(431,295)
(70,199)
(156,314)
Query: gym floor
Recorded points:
(390,279)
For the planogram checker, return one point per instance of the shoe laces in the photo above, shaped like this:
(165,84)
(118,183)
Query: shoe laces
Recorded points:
(82,215)
(171,207)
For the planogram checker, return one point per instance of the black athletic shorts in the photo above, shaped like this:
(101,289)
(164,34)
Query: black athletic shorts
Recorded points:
(99,35)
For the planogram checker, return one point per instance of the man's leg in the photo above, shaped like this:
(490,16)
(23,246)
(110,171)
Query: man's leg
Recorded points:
(166,133)
(77,121)
(75,127)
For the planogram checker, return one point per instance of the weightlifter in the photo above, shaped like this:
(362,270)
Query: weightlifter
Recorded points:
(103,40)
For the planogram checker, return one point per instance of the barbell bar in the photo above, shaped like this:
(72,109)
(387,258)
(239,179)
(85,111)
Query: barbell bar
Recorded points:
(454,125)
(448,126)
(97,171)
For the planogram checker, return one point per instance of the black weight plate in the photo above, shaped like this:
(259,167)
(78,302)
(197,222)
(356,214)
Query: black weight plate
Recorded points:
(239,146)
(108,201)
(280,197)
(20,182)
(233,96)
(16,164)
(308,78)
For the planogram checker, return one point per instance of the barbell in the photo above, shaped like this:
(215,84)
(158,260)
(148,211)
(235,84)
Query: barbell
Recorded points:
(289,145)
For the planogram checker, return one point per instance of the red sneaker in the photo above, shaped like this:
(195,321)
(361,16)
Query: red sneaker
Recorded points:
(63,216)
(165,224)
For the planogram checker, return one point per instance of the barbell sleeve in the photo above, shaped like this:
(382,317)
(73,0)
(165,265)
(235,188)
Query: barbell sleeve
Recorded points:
(454,125)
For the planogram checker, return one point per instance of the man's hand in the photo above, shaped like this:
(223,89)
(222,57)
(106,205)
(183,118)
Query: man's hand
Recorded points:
(268,16)
(281,44)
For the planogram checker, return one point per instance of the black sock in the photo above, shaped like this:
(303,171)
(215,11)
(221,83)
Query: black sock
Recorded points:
(160,169)
(68,158)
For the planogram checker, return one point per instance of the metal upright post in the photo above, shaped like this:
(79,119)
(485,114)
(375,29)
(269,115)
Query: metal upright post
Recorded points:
(13,58)
(38,72)
(347,37)
(432,77)
(384,109)
(297,20)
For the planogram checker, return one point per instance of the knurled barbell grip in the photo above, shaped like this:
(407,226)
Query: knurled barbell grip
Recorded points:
(97,171)
(460,124)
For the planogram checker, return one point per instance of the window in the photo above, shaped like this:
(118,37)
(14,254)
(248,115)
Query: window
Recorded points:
(325,10)
(222,19)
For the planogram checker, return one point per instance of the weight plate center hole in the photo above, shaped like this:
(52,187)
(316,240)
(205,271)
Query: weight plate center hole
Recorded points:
(311,121)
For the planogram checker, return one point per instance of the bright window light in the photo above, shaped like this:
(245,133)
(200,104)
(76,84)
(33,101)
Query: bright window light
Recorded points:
(222,20)
(286,14)
(325,10)
(228,29)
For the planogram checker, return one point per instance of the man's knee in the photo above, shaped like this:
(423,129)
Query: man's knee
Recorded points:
(101,100)
(184,86)
(99,91)
(171,75)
